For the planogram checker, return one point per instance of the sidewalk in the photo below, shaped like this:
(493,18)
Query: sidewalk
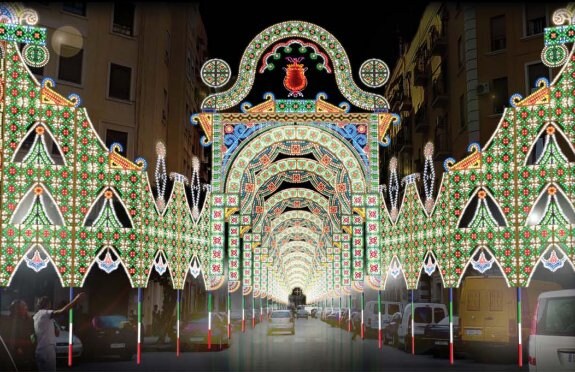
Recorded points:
(150,343)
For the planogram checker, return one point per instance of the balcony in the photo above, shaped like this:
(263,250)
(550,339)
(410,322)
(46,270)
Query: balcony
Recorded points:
(420,73)
(438,41)
(421,121)
(440,98)
(396,101)
(405,102)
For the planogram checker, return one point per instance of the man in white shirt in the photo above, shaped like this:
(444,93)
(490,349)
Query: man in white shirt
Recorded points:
(45,330)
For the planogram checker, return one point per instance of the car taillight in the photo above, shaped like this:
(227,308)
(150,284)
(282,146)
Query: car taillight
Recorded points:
(532,360)
(534,322)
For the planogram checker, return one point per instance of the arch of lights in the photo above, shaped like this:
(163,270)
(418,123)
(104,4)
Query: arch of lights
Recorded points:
(64,207)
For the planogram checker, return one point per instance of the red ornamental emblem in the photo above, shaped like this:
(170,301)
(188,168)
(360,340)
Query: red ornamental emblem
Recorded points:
(295,80)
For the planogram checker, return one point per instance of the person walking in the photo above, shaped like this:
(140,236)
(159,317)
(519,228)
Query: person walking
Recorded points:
(355,325)
(46,332)
(20,336)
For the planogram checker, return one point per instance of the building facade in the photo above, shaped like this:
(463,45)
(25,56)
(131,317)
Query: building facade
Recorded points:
(452,82)
(137,67)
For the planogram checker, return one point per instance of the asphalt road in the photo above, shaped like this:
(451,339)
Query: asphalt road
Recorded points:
(315,347)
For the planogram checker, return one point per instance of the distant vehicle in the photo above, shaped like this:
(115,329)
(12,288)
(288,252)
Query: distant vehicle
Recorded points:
(389,330)
(424,314)
(281,321)
(62,344)
(302,313)
(437,335)
(194,332)
(371,315)
(109,335)
(552,338)
(488,315)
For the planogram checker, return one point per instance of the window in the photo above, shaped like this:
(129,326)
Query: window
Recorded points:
(498,39)
(124,19)
(500,95)
(78,8)
(462,112)
(438,314)
(535,19)
(120,82)
(70,65)
(116,136)
(534,71)
(392,308)
(460,52)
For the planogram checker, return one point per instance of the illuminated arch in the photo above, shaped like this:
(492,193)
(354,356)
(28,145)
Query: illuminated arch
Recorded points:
(339,148)
(40,248)
(495,260)
(538,263)
(119,257)
(288,30)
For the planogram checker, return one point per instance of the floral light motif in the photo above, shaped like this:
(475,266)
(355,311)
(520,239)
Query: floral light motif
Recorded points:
(160,264)
(36,263)
(482,264)
(553,263)
(108,264)
(429,266)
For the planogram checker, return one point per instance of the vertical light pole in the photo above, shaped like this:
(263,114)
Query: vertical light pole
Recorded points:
(519,330)
(379,318)
(139,350)
(451,326)
(178,322)
(70,329)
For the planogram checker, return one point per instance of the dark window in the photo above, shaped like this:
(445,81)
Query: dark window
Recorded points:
(70,66)
(438,314)
(422,315)
(124,18)
(500,95)
(498,39)
(116,136)
(460,52)
(462,112)
(534,72)
(556,316)
(535,20)
(120,82)
(392,308)
(78,8)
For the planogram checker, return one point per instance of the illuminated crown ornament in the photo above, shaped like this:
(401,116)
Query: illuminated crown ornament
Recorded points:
(160,175)
(195,187)
(553,263)
(482,264)
(109,263)
(295,80)
(160,264)
(36,262)
(393,188)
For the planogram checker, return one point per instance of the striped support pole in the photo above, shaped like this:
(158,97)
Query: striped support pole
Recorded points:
(520,343)
(139,350)
(209,320)
(178,322)
(362,306)
(339,314)
(70,329)
(412,326)
(379,319)
(451,326)
(349,315)
(261,311)
(243,313)
(229,315)
(253,311)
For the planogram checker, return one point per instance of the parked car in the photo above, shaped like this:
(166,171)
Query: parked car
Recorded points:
(109,335)
(282,321)
(424,314)
(371,315)
(194,332)
(488,315)
(552,338)
(437,335)
(62,343)
(389,330)
(302,313)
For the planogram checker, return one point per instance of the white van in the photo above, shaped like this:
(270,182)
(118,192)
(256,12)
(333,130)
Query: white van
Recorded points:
(552,338)
(424,314)
(371,315)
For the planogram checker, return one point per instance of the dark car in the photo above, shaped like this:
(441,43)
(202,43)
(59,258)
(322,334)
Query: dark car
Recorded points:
(194,332)
(437,336)
(389,330)
(108,335)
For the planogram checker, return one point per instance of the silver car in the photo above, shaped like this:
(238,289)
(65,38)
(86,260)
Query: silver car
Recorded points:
(281,321)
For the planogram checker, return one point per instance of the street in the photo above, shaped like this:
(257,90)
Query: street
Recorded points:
(315,347)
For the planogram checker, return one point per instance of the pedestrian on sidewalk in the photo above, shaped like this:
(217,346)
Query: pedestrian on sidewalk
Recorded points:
(46,331)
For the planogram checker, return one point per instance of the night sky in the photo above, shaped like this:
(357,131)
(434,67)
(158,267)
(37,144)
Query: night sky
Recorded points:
(364,32)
